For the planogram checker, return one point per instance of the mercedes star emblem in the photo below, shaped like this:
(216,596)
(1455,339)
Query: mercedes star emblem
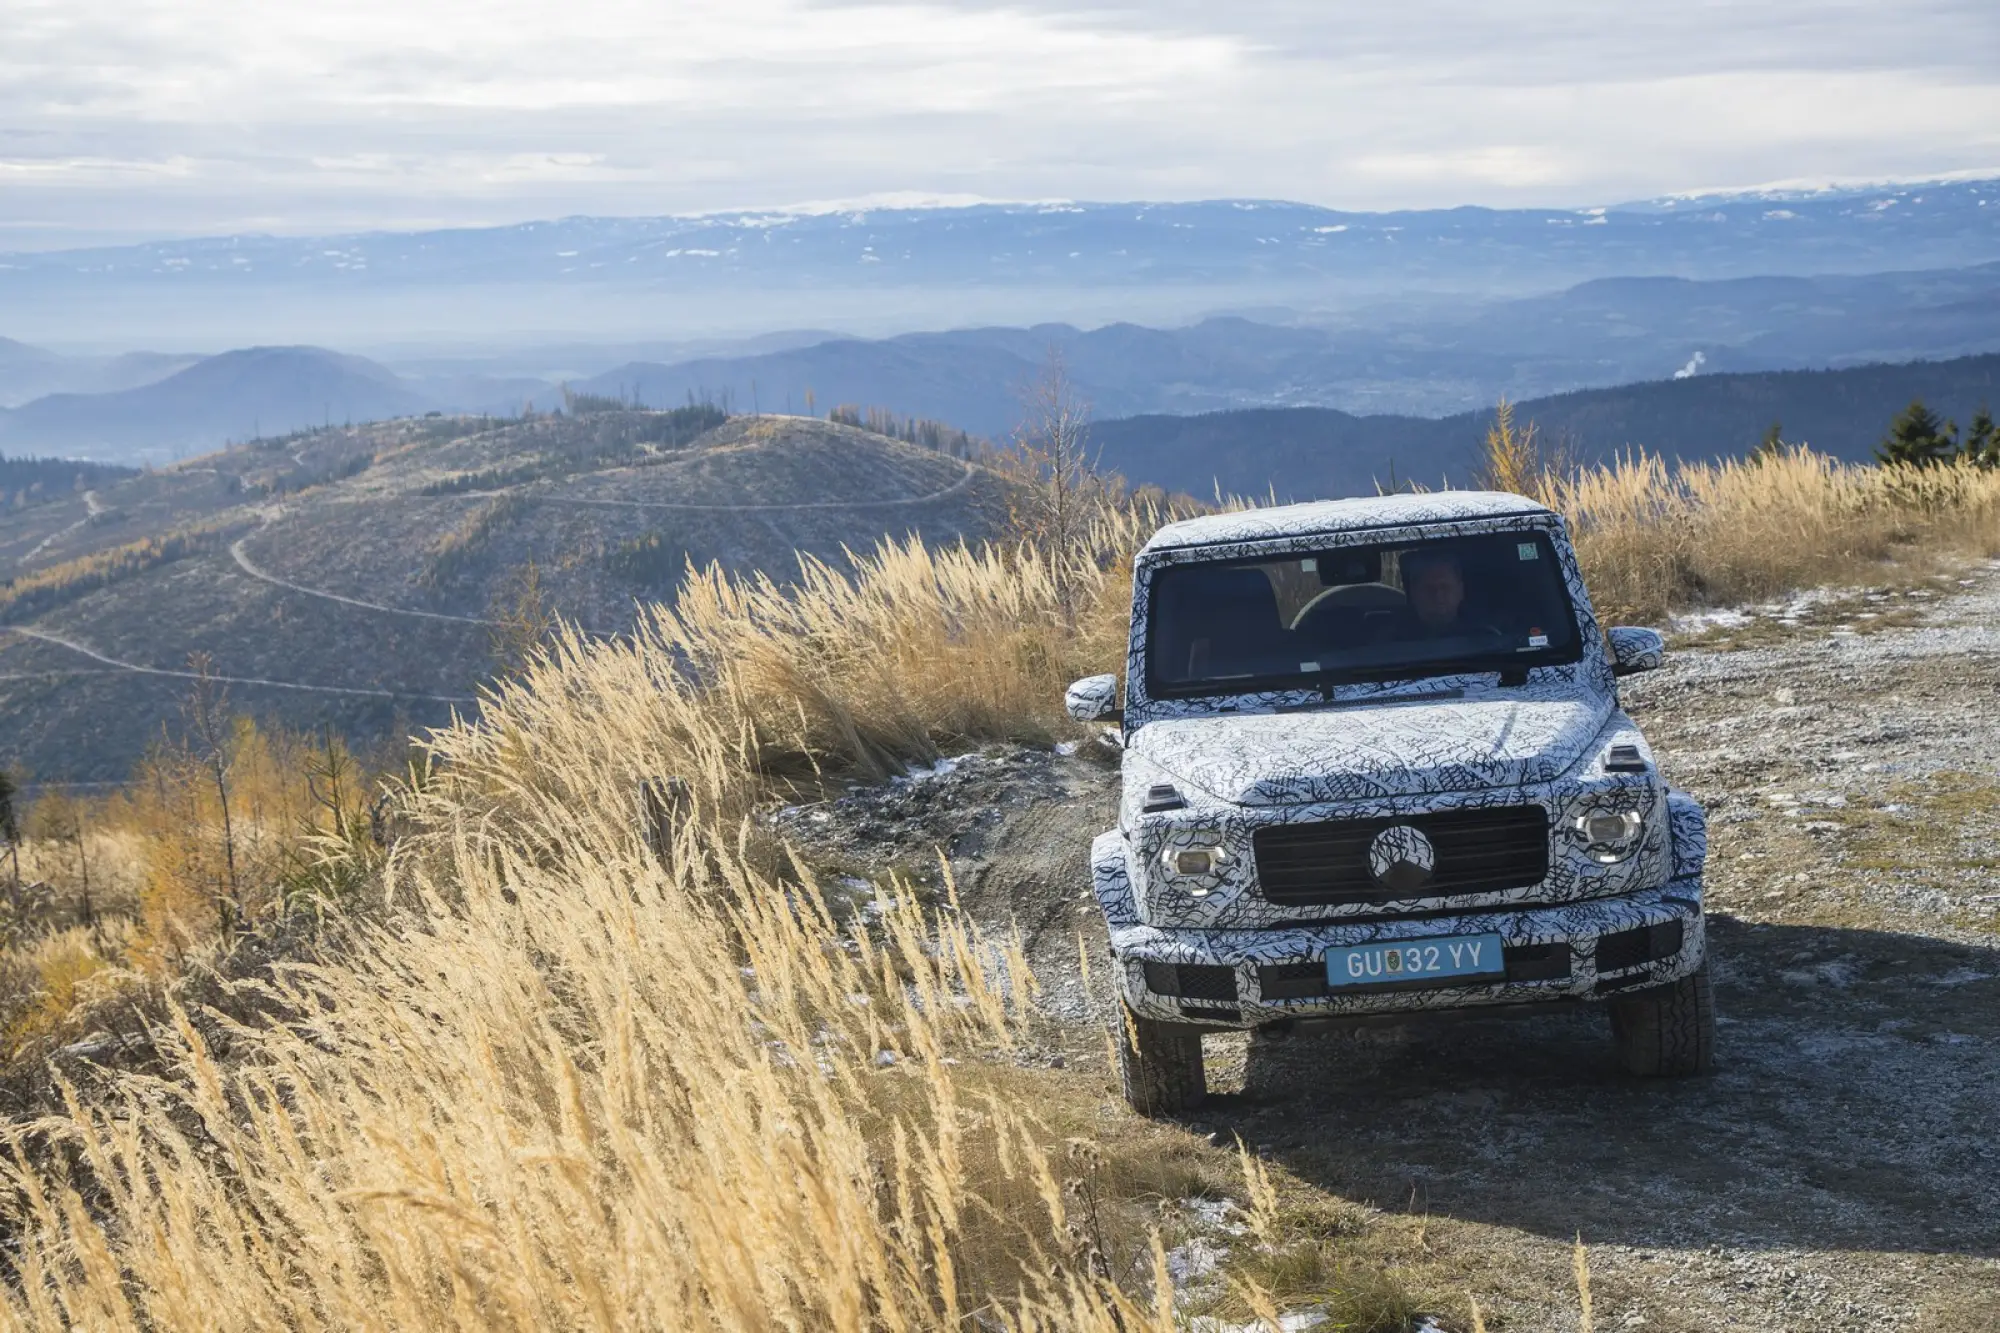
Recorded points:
(1402,858)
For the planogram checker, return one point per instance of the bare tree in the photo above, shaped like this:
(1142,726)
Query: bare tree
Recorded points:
(10,833)
(1051,448)
(206,711)
(58,819)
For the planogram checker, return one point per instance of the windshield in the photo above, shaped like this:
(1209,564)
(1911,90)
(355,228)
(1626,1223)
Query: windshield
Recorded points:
(1399,610)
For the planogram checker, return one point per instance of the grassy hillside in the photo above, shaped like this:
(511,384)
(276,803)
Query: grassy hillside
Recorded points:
(1305,453)
(369,578)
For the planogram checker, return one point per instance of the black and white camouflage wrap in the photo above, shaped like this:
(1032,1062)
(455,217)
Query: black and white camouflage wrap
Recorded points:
(1392,750)
(1092,698)
(1635,649)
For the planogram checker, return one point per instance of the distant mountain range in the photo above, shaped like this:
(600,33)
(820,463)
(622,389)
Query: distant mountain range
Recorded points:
(877,269)
(1307,453)
(1425,359)
(1419,358)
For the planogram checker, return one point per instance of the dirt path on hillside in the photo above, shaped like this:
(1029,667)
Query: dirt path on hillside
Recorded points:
(244,563)
(1840,1170)
(47,636)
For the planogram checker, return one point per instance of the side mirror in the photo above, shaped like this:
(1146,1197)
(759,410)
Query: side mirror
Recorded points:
(1093,699)
(1635,649)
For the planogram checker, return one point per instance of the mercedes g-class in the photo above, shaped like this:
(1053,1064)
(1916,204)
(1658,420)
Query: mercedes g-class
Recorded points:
(1374,761)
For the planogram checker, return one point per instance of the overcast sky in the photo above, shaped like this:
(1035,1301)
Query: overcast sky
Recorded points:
(126,119)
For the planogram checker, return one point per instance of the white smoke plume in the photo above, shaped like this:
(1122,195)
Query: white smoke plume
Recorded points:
(1695,363)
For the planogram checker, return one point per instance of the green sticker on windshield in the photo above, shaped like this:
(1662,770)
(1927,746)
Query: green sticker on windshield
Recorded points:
(1529,551)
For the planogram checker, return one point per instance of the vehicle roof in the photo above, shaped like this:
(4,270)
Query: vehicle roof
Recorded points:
(1329,516)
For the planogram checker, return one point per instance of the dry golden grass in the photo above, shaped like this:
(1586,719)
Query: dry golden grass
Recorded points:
(565,1085)
(571,1088)
(1654,539)
(744,687)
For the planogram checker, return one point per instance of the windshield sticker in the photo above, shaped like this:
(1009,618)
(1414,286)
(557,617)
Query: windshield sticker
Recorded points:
(1308,668)
(1538,640)
(1309,566)
(1529,551)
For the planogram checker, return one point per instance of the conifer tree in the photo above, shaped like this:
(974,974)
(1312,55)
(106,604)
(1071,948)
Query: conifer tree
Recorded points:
(1917,438)
(1982,439)
(1773,443)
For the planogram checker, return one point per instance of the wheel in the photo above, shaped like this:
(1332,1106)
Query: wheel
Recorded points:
(1159,1064)
(1668,1031)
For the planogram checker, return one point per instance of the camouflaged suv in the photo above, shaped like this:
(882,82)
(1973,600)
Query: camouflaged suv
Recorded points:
(1375,762)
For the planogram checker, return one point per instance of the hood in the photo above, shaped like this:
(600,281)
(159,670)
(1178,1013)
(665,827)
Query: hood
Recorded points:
(1343,754)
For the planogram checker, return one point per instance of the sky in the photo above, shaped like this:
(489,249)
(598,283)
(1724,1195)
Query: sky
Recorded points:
(134,119)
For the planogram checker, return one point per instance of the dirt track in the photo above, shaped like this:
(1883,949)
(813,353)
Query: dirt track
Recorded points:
(1841,1170)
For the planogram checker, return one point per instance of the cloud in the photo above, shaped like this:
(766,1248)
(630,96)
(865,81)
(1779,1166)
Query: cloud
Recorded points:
(209,115)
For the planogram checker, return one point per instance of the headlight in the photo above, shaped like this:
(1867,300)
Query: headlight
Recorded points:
(1609,835)
(1194,861)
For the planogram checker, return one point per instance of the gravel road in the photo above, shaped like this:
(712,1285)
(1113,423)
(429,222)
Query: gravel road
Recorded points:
(1839,1171)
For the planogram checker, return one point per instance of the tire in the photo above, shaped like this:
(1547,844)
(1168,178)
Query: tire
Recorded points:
(1668,1031)
(1159,1065)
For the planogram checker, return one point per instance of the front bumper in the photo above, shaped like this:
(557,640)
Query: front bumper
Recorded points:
(1587,950)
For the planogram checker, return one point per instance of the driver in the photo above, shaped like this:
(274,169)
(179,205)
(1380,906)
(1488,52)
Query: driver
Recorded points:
(1435,586)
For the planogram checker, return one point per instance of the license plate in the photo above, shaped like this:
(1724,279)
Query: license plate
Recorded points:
(1399,962)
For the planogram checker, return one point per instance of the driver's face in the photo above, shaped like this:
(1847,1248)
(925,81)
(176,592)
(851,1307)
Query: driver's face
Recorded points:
(1437,593)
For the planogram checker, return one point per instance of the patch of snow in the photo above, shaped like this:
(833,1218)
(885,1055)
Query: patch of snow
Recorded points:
(1296,1322)
(1217,1213)
(1724,618)
(1193,1260)
(942,768)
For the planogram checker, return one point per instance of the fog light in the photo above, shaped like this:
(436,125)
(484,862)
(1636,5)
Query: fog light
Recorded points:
(1610,835)
(1197,862)
(1200,862)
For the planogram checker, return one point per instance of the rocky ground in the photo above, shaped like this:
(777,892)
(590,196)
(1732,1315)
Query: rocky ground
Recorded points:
(1839,1171)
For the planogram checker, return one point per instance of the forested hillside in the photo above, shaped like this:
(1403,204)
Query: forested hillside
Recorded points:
(1311,452)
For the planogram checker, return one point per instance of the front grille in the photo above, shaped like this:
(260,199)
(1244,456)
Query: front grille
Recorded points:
(1477,851)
